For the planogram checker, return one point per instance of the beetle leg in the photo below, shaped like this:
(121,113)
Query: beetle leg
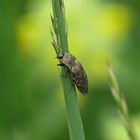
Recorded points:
(60,65)
(60,72)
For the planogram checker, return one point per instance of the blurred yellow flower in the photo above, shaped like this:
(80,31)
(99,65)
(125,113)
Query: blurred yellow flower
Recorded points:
(28,37)
(113,20)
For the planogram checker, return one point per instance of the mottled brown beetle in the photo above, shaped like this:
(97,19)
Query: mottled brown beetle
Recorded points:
(76,70)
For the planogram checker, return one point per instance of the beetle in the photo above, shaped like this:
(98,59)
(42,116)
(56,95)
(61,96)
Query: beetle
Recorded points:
(76,70)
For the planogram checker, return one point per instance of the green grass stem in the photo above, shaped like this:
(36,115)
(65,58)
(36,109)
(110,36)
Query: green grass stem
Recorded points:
(60,44)
(121,104)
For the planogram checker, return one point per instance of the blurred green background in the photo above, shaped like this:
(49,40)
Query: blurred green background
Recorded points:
(31,99)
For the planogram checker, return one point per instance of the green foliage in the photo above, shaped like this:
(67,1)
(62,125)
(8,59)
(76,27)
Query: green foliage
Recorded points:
(31,100)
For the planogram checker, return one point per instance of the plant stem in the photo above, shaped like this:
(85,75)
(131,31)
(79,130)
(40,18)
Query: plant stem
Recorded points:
(121,104)
(60,43)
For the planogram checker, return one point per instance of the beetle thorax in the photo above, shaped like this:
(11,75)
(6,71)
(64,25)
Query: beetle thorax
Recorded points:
(67,59)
